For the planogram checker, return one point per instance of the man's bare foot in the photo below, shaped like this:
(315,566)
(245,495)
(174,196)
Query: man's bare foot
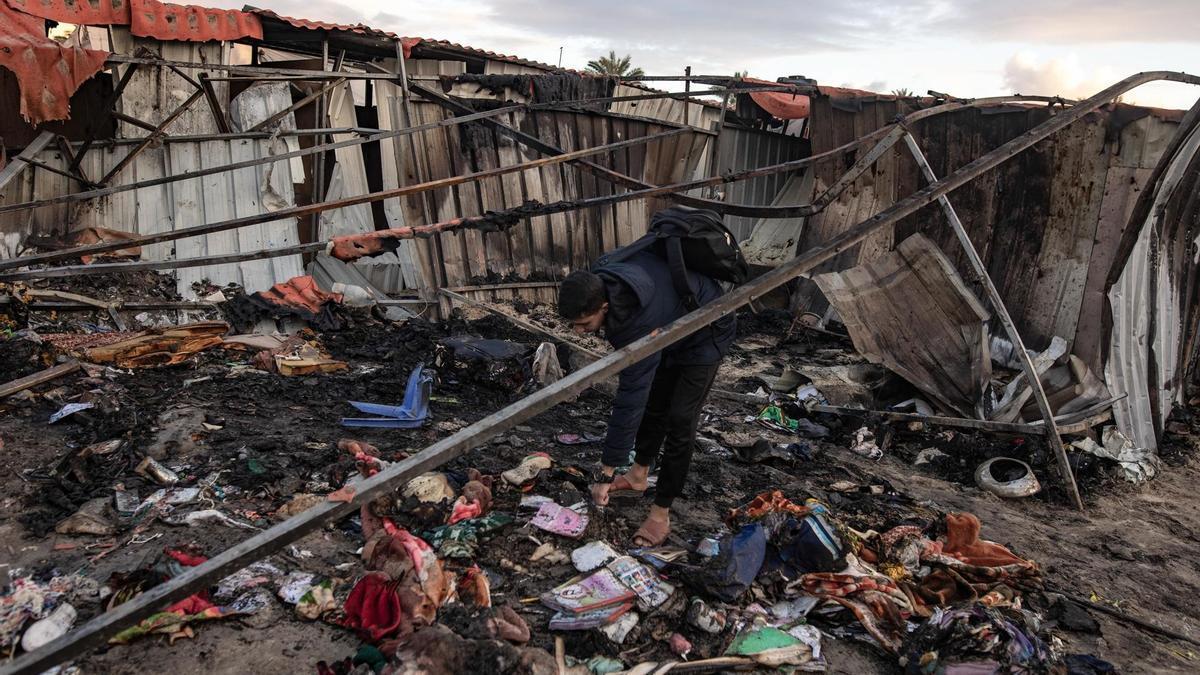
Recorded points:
(655,528)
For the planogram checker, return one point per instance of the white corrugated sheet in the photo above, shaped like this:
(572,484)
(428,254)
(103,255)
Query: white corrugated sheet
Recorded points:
(1128,364)
(195,201)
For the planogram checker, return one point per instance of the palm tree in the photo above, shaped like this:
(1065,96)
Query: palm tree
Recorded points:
(903,92)
(611,65)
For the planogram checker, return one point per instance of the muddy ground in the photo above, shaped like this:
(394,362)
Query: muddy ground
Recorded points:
(1134,547)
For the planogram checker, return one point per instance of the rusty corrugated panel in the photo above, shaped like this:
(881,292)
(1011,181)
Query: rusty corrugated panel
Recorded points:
(47,72)
(191,23)
(87,12)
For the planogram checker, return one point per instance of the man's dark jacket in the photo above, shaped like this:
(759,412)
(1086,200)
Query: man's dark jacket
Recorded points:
(641,298)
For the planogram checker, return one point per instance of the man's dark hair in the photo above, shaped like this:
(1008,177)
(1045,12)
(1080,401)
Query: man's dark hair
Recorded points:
(580,294)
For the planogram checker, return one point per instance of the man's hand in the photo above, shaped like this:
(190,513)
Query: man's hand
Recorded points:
(600,493)
(602,484)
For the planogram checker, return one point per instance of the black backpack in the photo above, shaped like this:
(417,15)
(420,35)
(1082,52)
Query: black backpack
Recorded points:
(689,239)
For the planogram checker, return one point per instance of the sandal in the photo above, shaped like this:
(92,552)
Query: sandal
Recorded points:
(621,487)
(652,533)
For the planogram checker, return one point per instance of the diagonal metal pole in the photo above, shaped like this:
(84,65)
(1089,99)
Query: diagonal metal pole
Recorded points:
(99,629)
(159,131)
(1031,375)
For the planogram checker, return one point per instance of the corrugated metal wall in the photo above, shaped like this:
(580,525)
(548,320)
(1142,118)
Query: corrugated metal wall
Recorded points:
(741,148)
(185,203)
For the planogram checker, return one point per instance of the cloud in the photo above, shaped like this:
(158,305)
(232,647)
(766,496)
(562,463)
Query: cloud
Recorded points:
(1065,76)
(1079,21)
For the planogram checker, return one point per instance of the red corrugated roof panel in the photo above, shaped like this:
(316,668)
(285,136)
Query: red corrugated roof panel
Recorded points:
(89,12)
(47,72)
(191,23)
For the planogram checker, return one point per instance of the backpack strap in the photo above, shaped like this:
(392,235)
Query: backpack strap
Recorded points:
(679,274)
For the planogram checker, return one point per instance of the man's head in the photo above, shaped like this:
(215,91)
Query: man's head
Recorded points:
(583,301)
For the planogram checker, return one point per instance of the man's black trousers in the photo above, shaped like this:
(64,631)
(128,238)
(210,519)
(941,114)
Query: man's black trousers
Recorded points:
(669,425)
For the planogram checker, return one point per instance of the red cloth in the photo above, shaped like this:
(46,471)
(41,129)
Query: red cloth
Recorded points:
(47,72)
(963,543)
(186,559)
(192,604)
(373,608)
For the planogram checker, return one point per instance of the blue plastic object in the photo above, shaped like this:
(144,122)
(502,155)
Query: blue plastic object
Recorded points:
(409,415)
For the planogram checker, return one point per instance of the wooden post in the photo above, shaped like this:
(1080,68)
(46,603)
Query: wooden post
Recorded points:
(1031,375)
(687,102)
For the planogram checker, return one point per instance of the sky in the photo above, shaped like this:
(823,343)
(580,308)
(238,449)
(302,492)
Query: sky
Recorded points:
(967,48)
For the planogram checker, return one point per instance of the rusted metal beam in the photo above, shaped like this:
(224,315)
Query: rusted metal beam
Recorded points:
(99,629)
(114,189)
(801,210)
(220,115)
(294,212)
(69,155)
(52,169)
(106,110)
(298,105)
(158,131)
(130,119)
(1010,327)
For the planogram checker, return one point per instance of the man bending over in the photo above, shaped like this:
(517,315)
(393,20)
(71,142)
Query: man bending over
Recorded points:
(659,399)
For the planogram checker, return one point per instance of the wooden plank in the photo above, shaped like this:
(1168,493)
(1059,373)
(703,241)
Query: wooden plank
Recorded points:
(540,240)
(1076,191)
(1121,189)
(444,203)
(491,197)
(41,377)
(514,195)
(558,254)
(474,248)
(588,188)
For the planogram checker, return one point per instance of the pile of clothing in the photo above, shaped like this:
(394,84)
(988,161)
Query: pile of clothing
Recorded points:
(408,582)
(931,592)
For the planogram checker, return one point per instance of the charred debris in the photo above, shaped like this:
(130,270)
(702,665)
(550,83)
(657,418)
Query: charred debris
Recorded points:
(282,355)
